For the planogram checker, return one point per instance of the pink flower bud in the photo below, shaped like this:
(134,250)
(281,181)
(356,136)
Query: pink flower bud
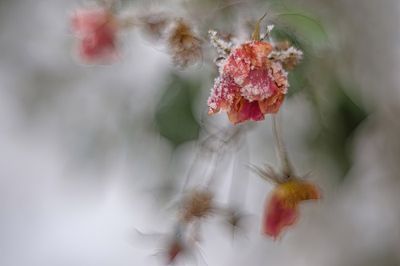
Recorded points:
(96,30)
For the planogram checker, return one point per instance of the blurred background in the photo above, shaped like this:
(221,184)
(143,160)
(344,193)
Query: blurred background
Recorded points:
(89,155)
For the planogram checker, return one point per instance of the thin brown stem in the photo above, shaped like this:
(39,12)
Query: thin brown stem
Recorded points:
(256,33)
(282,154)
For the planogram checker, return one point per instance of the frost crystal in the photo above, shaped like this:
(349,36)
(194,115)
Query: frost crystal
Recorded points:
(223,47)
(289,57)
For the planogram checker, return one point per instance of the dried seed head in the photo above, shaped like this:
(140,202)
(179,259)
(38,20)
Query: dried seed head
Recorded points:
(281,46)
(197,205)
(289,56)
(155,24)
(235,221)
(184,45)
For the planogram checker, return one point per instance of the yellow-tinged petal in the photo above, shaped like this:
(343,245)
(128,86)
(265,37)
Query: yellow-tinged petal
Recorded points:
(281,209)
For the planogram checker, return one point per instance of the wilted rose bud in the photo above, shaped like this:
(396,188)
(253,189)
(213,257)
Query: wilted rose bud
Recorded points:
(96,30)
(281,209)
(249,84)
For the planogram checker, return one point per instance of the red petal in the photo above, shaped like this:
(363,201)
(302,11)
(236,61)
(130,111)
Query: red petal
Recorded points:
(99,45)
(272,104)
(237,65)
(223,94)
(245,110)
(277,216)
(261,50)
(96,30)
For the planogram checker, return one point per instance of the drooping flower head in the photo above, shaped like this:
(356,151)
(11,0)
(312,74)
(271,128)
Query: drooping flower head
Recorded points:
(252,78)
(281,208)
(250,84)
(96,30)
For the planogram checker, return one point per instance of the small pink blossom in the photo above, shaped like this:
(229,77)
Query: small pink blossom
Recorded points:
(281,208)
(249,85)
(96,30)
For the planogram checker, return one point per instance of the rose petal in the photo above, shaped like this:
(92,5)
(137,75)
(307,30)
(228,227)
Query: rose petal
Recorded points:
(223,94)
(245,110)
(281,210)
(277,216)
(271,105)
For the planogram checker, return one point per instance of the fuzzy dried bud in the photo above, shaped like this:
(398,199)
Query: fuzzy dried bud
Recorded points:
(235,221)
(289,56)
(198,204)
(155,24)
(184,45)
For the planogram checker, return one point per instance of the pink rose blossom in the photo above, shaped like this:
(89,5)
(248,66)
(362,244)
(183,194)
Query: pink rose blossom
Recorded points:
(250,85)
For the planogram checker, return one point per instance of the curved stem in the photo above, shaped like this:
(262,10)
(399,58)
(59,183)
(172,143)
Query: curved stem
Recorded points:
(282,154)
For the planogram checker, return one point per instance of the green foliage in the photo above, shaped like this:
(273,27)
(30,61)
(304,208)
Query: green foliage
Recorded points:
(299,26)
(305,33)
(174,117)
(338,126)
(306,26)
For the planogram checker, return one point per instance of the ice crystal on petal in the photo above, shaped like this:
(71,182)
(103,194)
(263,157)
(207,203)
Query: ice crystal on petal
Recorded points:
(223,47)
(222,94)
(280,76)
(289,57)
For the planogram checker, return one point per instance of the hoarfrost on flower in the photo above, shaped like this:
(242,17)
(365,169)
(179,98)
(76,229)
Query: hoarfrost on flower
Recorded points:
(249,84)
(223,47)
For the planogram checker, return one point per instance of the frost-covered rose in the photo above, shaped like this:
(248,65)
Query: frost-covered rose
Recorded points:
(249,84)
